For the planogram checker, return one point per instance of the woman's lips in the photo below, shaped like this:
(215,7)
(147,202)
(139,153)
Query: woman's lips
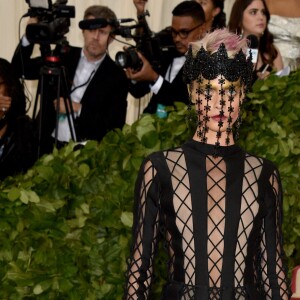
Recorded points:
(219,118)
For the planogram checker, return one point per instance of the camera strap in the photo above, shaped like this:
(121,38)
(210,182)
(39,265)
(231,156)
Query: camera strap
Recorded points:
(83,84)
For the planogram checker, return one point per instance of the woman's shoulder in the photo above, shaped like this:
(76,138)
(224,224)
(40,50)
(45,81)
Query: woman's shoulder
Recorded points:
(257,161)
(163,154)
(159,159)
(284,8)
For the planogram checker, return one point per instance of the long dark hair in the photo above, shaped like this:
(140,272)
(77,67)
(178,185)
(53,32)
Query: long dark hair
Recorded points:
(220,19)
(14,89)
(266,46)
(19,140)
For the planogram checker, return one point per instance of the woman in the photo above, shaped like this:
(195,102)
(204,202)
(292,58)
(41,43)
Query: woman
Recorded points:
(217,208)
(251,17)
(214,14)
(17,139)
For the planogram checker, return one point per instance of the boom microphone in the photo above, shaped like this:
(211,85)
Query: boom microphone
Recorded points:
(126,20)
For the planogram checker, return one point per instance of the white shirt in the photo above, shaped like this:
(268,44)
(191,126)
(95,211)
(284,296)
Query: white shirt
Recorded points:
(83,75)
(171,73)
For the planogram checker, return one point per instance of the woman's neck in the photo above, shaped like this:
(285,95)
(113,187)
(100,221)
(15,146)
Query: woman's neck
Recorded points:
(212,139)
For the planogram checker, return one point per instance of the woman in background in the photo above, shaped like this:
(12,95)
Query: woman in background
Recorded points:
(215,16)
(18,149)
(251,17)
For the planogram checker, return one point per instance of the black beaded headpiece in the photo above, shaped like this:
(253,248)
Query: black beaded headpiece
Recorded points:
(209,66)
(206,66)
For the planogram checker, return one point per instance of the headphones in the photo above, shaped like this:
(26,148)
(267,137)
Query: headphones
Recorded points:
(96,23)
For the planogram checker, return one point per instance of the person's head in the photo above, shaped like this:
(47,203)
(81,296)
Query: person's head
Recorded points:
(215,17)
(10,86)
(249,17)
(218,74)
(187,24)
(98,36)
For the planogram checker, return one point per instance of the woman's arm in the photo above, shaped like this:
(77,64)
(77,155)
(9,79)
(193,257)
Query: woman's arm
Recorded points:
(145,234)
(278,62)
(274,271)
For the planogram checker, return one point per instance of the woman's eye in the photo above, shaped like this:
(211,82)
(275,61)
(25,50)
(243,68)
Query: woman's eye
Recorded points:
(231,93)
(209,92)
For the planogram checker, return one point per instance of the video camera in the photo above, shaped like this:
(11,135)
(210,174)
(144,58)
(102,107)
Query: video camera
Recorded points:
(53,21)
(150,44)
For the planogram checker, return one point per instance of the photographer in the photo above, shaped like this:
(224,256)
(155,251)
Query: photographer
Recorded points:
(98,88)
(167,84)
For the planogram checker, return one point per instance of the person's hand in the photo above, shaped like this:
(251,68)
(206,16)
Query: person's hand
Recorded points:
(140,6)
(262,75)
(62,108)
(146,73)
(5,103)
(32,20)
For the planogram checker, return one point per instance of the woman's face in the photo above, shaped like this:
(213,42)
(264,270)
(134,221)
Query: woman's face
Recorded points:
(2,93)
(5,100)
(210,11)
(254,19)
(217,113)
(2,87)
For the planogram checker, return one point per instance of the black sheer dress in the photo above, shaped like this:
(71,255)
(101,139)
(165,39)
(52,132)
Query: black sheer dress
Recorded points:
(220,218)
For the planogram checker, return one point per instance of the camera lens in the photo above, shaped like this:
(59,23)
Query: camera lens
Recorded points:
(129,59)
(121,59)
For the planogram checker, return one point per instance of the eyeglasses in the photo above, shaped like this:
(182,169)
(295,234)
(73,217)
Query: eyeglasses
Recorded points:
(184,33)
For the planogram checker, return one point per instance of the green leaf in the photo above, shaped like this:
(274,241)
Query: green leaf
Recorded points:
(24,197)
(127,218)
(33,197)
(13,194)
(84,169)
(150,139)
(42,286)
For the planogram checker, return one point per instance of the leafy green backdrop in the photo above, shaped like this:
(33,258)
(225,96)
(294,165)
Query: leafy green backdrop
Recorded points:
(65,225)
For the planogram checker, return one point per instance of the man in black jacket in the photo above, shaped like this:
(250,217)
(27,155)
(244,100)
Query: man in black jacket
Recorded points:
(166,84)
(98,87)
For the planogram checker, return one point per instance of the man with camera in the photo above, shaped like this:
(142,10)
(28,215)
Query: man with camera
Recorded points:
(167,84)
(98,88)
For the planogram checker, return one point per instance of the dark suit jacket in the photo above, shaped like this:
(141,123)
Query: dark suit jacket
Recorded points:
(104,102)
(176,91)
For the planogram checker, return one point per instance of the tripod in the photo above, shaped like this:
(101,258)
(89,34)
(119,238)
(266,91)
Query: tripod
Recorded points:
(52,79)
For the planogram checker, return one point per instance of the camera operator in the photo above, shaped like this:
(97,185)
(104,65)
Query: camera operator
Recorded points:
(167,84)
(98,87)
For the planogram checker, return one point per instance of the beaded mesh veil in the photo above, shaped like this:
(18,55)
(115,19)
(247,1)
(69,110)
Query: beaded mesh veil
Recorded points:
(204,65)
